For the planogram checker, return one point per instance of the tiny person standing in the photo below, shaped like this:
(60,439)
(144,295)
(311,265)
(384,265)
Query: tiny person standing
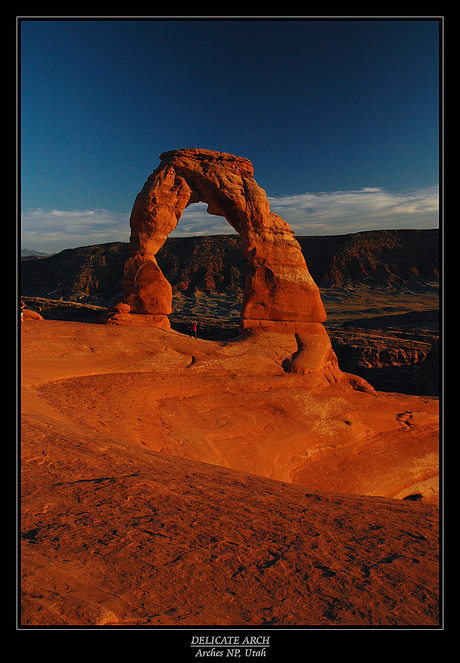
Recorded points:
(194,326)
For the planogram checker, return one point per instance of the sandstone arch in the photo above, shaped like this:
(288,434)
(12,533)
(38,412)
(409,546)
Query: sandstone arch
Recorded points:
(280,294)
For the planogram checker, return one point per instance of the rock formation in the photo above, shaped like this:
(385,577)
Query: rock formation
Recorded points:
(27,314)
(280,295)
(116,315)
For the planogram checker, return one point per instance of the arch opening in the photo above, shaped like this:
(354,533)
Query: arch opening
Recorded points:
(206,269)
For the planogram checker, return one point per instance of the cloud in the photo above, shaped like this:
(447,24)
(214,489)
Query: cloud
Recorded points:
(371,208)
(54,230)
(331,213)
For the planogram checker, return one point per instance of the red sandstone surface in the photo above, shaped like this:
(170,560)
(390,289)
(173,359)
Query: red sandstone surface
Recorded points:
(174,481)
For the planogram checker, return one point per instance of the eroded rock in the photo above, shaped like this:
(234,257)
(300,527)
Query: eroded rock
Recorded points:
(278,283)
(279,294)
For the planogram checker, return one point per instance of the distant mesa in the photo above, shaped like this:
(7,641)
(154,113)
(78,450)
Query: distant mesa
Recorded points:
(373,259)
(279,296)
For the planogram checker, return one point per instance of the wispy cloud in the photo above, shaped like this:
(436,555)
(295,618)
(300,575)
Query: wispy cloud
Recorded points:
(371,208)
(330,213)
(54,230)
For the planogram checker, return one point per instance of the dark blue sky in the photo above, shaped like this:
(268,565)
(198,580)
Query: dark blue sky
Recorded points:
(318,106)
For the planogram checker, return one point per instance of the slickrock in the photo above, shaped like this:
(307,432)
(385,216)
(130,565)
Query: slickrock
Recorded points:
(141,505)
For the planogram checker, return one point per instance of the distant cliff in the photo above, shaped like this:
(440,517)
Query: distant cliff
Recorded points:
(215,264)
(380,257)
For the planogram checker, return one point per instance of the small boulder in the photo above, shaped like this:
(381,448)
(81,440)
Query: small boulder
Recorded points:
(27,314)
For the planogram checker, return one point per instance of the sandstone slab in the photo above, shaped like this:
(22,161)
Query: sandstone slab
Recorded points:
(157,485)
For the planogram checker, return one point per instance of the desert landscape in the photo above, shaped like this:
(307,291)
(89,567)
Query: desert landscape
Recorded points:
(281,469)
(168,480)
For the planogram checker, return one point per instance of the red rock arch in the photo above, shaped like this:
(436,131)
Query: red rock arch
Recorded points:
(278,284)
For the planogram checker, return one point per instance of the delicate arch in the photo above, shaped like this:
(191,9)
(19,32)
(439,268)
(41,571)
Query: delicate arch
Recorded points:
(278,288)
